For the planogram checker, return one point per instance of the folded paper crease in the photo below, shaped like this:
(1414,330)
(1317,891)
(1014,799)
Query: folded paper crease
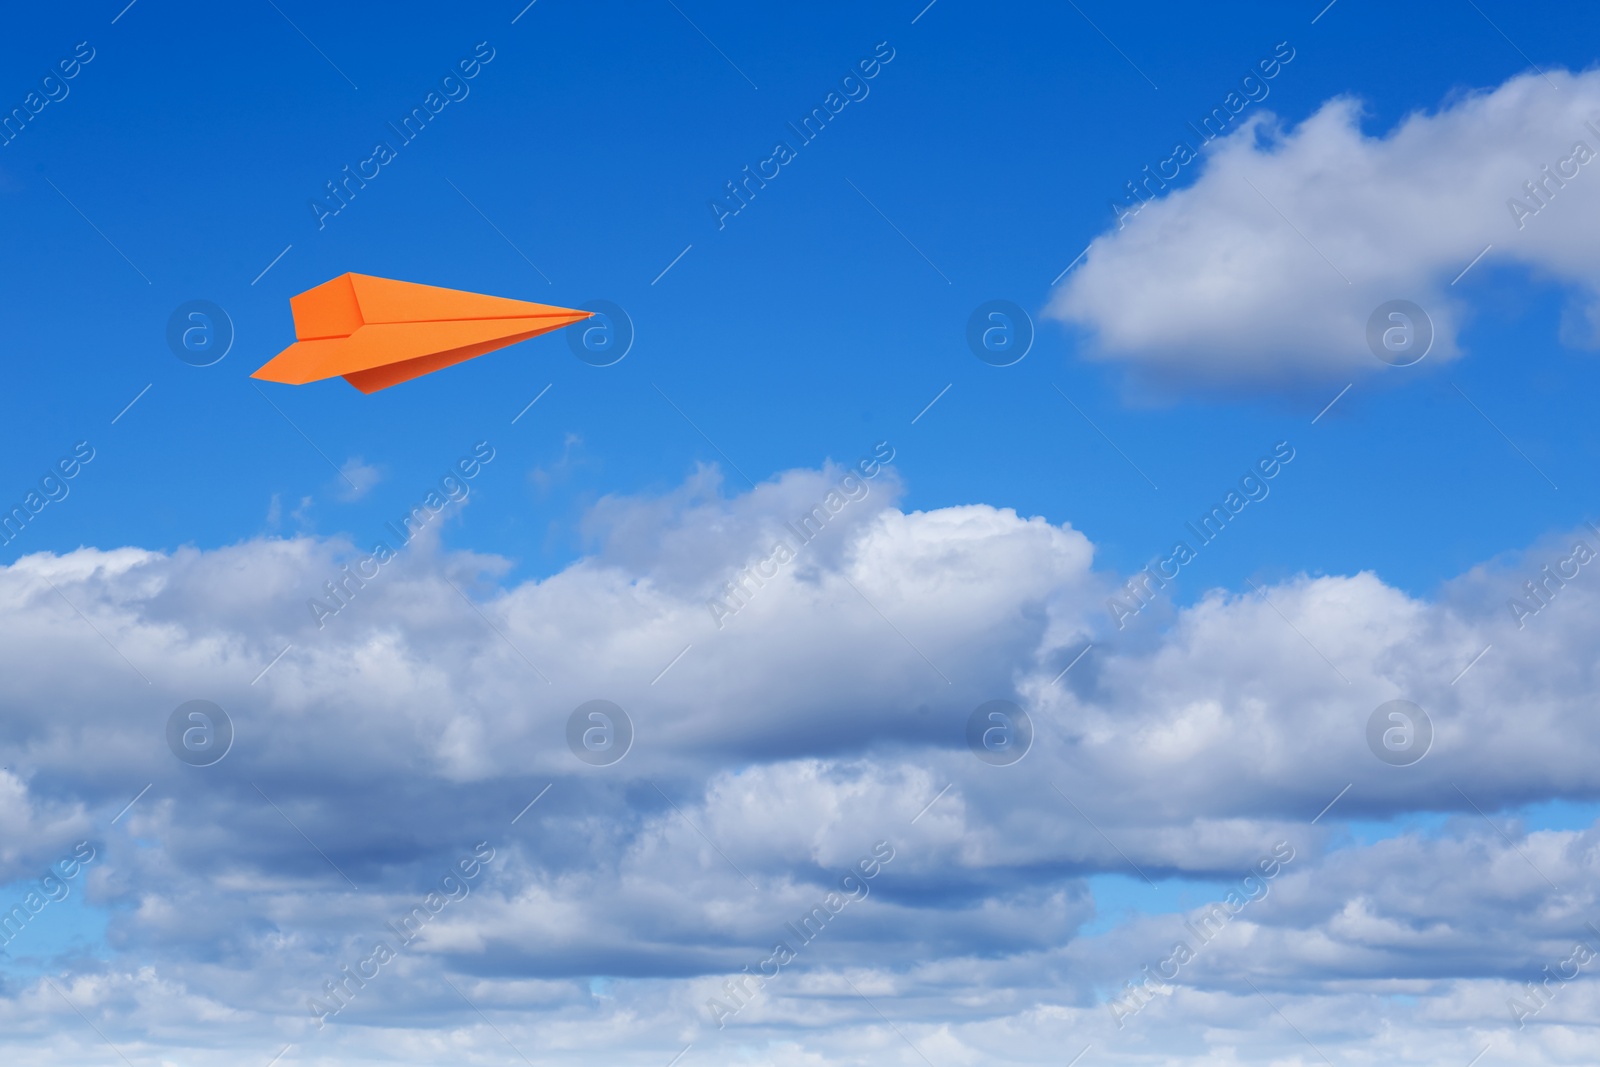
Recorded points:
(377,332)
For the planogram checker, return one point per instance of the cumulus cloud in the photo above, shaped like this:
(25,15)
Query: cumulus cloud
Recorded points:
(427,719)
(1265,271)
(356,478)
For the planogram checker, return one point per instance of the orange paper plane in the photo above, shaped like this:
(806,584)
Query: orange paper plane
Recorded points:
(377,332)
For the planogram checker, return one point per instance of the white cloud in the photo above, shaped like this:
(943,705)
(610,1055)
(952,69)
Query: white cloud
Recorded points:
(356,478)
(1264,272)
(822,718)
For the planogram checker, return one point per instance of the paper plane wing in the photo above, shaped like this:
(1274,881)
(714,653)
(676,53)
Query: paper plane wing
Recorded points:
(377,332)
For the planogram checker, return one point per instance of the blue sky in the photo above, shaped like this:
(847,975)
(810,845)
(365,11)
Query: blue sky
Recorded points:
(773,348)
(807,328)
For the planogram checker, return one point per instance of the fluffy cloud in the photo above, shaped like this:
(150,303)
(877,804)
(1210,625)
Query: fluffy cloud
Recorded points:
(824,717)
(1264,272)
(356,478)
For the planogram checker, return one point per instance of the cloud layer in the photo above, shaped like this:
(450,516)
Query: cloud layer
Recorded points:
(822,723)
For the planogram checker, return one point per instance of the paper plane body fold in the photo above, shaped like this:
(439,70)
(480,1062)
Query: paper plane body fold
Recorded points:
(377,332)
